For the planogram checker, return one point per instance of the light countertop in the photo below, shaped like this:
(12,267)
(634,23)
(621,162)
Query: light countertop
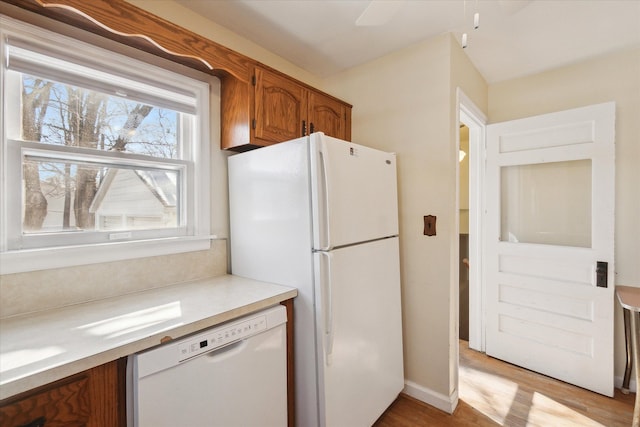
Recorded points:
(629,297)
(39,348)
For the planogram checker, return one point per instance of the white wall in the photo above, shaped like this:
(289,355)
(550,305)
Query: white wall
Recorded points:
(614,77)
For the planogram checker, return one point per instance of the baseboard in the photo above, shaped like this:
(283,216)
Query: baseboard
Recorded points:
(448,403)
(433,398)
(617,381)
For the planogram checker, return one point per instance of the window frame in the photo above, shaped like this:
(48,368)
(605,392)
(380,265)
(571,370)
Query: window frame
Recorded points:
(194,162)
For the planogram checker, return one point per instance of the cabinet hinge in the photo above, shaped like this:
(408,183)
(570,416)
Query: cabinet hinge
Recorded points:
(253,80)
(253,123)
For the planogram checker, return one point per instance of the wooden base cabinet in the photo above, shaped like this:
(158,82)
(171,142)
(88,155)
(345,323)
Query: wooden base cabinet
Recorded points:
(91,398)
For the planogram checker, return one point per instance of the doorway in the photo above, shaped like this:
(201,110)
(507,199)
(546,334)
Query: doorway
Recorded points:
(471,146)
(463,233)
(514,261)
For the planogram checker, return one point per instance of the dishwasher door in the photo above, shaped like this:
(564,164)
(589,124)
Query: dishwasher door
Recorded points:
(230,375)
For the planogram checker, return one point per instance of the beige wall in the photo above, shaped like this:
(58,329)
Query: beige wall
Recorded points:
(614,77)
(466,78)
(406,103)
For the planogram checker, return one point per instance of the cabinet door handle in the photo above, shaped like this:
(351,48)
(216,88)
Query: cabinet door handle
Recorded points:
(304,128)
(38,422)
(311,128)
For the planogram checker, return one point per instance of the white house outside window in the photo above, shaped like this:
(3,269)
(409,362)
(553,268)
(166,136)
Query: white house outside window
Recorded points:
(102,156)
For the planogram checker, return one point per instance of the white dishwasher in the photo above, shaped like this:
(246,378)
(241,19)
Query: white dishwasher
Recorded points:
(234,374)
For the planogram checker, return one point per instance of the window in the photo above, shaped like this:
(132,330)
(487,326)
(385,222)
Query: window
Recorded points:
(101,153)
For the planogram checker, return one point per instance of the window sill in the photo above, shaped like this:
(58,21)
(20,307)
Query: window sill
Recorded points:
(44,259)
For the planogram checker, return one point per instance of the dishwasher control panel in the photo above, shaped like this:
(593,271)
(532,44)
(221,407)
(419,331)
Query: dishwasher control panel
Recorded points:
(221,336)
(181,350)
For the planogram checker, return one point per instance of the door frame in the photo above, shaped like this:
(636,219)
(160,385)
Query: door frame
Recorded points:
(470,115)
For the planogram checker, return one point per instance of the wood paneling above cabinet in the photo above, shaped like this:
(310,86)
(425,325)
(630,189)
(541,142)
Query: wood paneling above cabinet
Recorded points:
(260,106)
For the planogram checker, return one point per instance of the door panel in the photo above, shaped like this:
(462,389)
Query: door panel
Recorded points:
(280,107)
(539,202)
(327,115)
(549,219)
(355,195)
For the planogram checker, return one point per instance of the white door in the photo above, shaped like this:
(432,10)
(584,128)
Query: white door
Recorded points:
(354,191)
(359,332)
(549,244)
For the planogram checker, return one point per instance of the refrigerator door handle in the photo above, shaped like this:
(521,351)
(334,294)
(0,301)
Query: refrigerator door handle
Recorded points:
(328,309)
(324,166)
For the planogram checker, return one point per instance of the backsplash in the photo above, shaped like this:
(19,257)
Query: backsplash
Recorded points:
(23,293)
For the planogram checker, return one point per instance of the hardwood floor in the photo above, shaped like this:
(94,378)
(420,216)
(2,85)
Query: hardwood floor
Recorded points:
(495,393)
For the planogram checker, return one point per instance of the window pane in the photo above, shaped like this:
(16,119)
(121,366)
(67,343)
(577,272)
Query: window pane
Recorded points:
(62,114)
(548,203)
(75,196)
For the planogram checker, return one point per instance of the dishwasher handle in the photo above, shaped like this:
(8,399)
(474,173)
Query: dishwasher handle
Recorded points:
(227,350)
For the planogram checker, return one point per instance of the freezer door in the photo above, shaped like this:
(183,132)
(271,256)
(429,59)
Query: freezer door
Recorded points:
(270,213)
(360,332)
(354,192)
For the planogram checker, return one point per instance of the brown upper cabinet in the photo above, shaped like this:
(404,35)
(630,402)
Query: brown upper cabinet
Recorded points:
(329,115)
(279,108)
(259,106)
(283,109)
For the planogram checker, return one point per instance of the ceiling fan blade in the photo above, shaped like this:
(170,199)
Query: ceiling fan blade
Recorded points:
(379,12)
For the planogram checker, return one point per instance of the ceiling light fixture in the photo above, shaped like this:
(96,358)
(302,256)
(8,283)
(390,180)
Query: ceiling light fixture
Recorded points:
(476,23)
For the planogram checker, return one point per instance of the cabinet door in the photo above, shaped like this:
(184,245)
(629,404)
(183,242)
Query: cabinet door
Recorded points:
(93,398)
(328,115)
(280,107)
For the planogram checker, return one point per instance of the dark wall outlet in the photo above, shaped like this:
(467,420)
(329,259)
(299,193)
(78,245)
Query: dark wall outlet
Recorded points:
(429,225)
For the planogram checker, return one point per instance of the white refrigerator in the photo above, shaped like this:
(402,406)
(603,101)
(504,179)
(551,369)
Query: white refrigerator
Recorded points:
(321,214)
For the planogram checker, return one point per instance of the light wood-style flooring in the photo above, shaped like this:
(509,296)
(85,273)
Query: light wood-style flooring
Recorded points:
(495,393)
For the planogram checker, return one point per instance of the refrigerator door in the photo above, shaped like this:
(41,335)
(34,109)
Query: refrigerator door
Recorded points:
(359,332)
(354,193)
(271,240)
(270,213)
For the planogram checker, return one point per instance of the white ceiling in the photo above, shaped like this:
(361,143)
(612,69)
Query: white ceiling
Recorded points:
(515,37)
